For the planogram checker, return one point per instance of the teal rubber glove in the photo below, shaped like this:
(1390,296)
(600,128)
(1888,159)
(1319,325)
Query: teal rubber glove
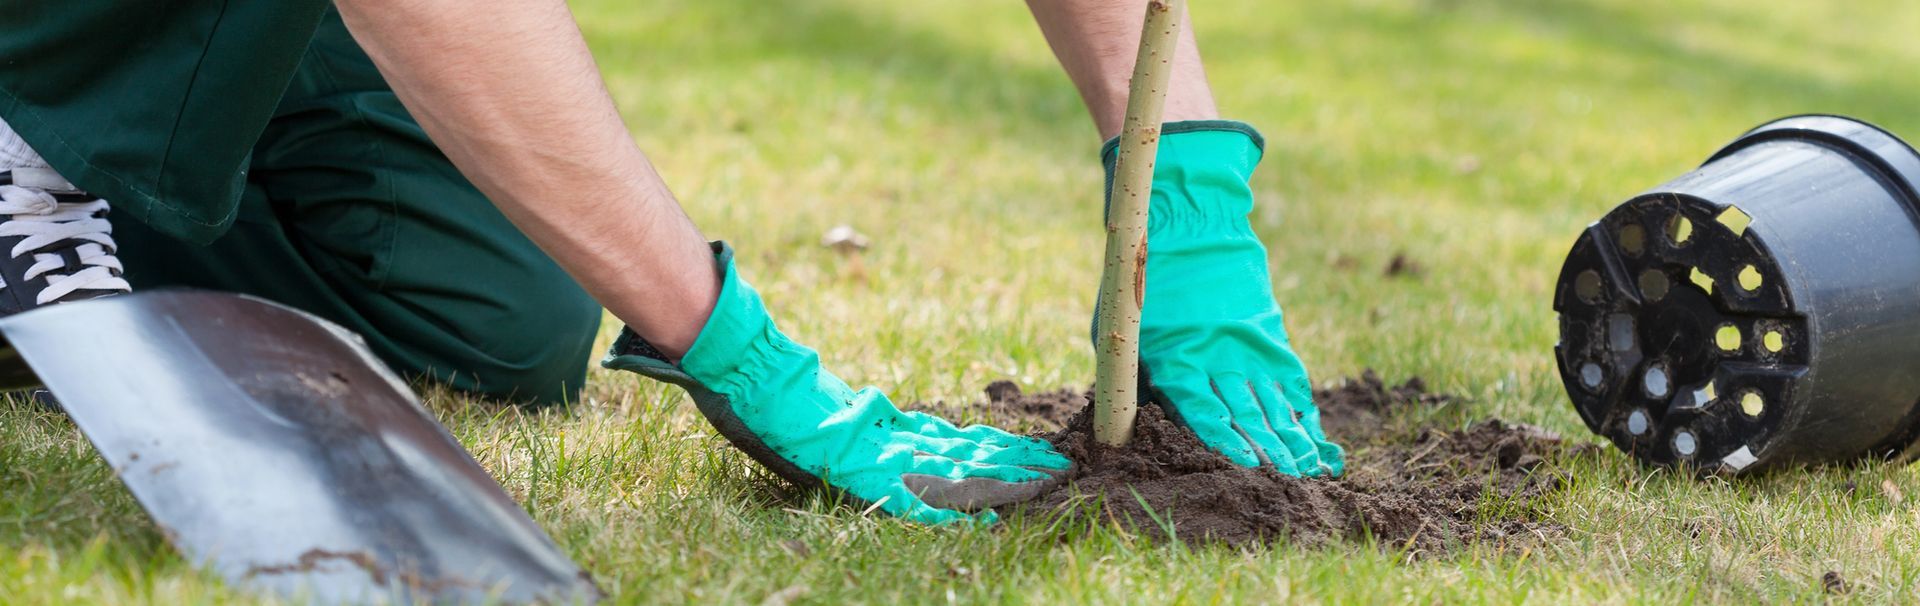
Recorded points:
(769,396)
(1214,352)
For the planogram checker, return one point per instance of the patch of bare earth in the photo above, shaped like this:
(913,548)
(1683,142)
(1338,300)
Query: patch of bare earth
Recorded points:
(1410,486)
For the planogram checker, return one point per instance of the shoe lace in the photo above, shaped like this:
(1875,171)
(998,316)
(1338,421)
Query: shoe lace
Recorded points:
(45,221)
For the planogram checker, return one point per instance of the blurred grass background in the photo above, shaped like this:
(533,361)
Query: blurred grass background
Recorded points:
(1475,137)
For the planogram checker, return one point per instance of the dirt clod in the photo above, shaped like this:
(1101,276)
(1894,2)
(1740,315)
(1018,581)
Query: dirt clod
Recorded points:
(1423,488)
(1833,583)
(1404,266)
(1003,390)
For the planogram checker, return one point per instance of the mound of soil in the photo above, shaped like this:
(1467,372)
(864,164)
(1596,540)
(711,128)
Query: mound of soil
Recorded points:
(1422,489)
(1046,411)
(1363,410)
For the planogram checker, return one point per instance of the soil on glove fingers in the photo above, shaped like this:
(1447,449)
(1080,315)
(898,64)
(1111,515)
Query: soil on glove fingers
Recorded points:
(1415,487)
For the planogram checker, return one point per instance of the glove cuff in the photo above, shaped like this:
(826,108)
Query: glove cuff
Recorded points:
(737,343)
(738,337)
(1109,151)
(1200,176)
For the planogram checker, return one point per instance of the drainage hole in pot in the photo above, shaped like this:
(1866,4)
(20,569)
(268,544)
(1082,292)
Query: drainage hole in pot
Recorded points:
(1751,404)
(1701,279)
(1653,285)
(1727,337)
(1774,341)
(1704,395)
(1749,278)
(1633,239)
(1684,443)
(1637,422)
(1591,375)
(1679,231)
(1655,381)
(1587,286)
(1735,220)
(1620,332)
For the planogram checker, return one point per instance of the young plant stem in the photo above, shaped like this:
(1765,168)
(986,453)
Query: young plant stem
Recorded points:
(1117,377)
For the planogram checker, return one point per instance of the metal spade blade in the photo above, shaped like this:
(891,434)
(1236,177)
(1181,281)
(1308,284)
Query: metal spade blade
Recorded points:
(272,447)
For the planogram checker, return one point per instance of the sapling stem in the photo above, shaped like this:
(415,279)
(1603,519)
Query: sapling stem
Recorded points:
(1116,381)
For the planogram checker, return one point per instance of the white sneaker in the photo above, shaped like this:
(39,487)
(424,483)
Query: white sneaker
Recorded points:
(55,242)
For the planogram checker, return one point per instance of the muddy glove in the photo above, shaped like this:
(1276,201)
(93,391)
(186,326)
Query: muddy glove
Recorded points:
(769,396)
(1214,353)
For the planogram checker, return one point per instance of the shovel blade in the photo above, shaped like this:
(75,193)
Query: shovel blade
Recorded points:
(272,447)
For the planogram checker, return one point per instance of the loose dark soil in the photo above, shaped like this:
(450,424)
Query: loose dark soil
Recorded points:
(1045,411)
(1007,407)
(1408,485)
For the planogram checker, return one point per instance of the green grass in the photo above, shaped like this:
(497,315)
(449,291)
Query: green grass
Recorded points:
(1478,136)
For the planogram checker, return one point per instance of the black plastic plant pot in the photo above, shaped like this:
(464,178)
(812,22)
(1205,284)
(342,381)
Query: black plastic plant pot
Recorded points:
(1761,311)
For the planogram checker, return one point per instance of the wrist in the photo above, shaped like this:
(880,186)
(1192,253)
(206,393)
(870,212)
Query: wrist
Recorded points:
(665,296)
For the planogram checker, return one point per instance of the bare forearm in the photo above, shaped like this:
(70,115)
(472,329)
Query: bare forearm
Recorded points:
(1096,42)
(509,92)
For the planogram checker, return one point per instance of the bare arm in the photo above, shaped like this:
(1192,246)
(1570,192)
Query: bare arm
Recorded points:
(1096,41)
(509,91)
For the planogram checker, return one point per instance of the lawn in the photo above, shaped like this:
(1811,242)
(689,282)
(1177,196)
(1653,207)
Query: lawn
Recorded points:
(1476,137)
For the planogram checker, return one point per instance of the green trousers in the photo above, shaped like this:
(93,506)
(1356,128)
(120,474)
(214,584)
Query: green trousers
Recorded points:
(345,209)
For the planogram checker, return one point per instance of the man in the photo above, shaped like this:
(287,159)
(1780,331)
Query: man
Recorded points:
(451,180)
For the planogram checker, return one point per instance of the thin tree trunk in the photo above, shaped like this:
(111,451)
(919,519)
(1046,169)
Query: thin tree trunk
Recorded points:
(1117,378)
